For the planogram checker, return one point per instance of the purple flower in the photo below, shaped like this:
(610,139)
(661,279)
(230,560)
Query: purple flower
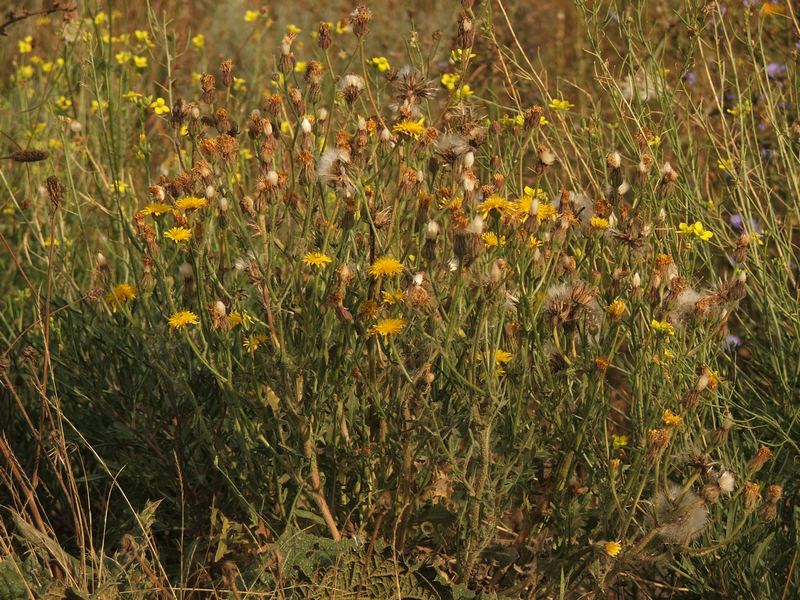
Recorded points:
(775,70)
(737,222)
(732,342)
(690,78)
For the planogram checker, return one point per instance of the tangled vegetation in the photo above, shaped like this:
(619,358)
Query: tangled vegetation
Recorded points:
(473,301)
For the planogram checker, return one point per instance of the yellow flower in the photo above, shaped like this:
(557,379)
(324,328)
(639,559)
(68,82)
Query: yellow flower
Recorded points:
(253,342)
(464,92)
(387,327)
(380,63)
(502,357)
(121,293)
(25,45)
(123,57)
(386,267)
(132,96)
(178,234)
(292,28)
(198,41)
(159,106)
(300,66)
(393,296)
(119,186)
(560,105)
(769,9)
(599,223)
(239,318)
(654,141)
(491,239)
(25,72)
(95,105)
(725,164)
(518,120)
(155,209)
(662,327)
(51,242)
(63,102)
(546,212)
(182,318)
(670,419)
(251,15)
(449,80)
(100,18)
(143,37)
(619,441)
(696,229)
(534,242)
(613,548)
(458,56)
(617,308)
(411,128)
(495,202)
(743,108)
(140,62)
(317,259)
(191,203)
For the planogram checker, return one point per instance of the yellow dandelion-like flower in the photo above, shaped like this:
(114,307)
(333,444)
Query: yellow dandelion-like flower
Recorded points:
(451,203)
(617,308)
(502,357)
(386,267)
(547,212)
(619,441)
(251,15)
(155,209)
(670,419)
(393,296)
(387,327)
(140,62)
(252,343)
(411,128)
(599,223)
(316,259)
(182,318)
(664,327)
(560,105)
(121,293)
(495,202)
(178,234)
(613,549)
(239,318)
(491,239)
(191,203)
